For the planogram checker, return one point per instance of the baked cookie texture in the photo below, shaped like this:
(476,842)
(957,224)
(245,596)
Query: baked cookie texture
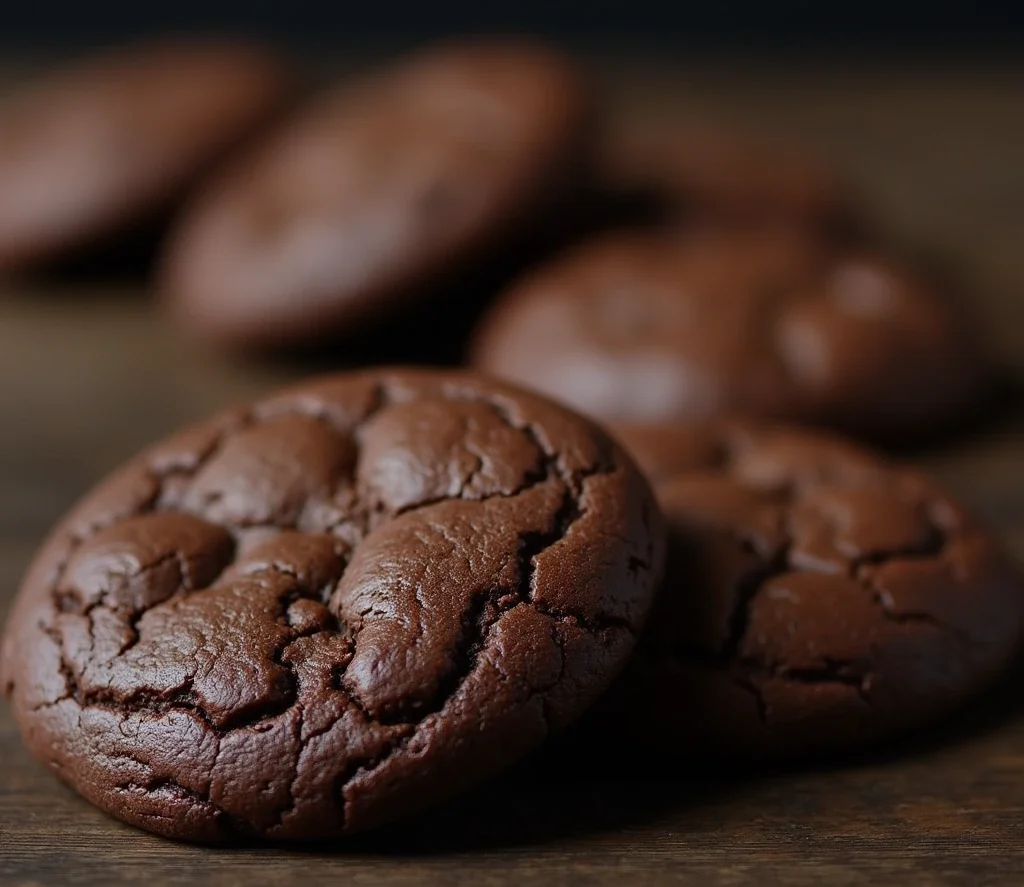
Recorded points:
(333,608)
(379,191)
(818,599)
(113,141)
(646,328)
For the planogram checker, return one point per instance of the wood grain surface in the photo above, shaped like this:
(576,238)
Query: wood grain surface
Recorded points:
(89,373)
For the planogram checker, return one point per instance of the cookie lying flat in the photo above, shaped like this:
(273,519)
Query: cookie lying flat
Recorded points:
(648,328)
(334,608)
(93,149)
(817,598)
(377,191)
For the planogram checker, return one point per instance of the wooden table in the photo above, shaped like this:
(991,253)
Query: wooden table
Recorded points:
(88,374)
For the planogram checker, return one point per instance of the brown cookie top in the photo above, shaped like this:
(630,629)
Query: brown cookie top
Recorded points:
(647,328)
(378,189)
(701,168)
(94,147)
(817,597)
(332,608)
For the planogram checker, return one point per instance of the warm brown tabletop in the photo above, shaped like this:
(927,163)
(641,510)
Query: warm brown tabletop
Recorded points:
(88,375)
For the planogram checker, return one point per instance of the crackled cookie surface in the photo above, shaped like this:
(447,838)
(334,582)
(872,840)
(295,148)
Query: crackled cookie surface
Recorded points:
(646,328)
(331,609)
(817,598)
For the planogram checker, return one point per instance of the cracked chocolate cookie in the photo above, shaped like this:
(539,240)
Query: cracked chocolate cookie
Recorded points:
(379,191)
(641,327)
(817,599)
(333,608)
(115,140)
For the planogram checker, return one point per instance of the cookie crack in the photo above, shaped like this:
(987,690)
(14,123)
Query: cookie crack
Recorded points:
(749,674)
(887,605)
(230,825)
(72,688)
(549,469)
(486,611)
(154,502)
(747,590)
(760,703)
(544,692)
(381,398)
(534,545)
(552,464)
(831,671)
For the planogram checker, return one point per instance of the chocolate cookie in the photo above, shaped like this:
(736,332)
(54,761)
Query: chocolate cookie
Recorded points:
(650,328)
(92,149)
(333,608)
(817,599)
(700,169)
(377,192)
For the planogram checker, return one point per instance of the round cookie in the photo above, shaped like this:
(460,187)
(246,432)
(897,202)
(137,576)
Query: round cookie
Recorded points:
(642,327)
(817,599)
(93,149)
(705,170)
(333,608)
(377,192)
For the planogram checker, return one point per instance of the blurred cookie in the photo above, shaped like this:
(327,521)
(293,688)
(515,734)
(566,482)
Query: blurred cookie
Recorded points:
(818,599)
(650,328)
(378,192)
(684,170)
(96,148)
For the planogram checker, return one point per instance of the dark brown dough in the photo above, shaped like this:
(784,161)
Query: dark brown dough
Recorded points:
(641,327)
(96,148)
(331,609)
(817,599)
(379,190)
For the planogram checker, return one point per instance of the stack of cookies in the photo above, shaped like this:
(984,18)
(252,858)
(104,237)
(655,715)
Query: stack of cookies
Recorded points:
(346,603)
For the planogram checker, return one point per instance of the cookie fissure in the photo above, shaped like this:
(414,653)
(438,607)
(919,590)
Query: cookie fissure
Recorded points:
(747,589)
(156,703)
(750,673)
(478,620)
(750,687)
(884,601)
(229,825)
(158,785)
(72,689)
(831,671)
(478,624)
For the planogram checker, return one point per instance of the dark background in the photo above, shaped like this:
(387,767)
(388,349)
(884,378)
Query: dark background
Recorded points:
(709,23)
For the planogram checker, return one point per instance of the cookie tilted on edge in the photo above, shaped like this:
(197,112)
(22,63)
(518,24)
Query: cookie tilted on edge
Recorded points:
(817,599)
(102,146)
(333,608)
(378,191)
